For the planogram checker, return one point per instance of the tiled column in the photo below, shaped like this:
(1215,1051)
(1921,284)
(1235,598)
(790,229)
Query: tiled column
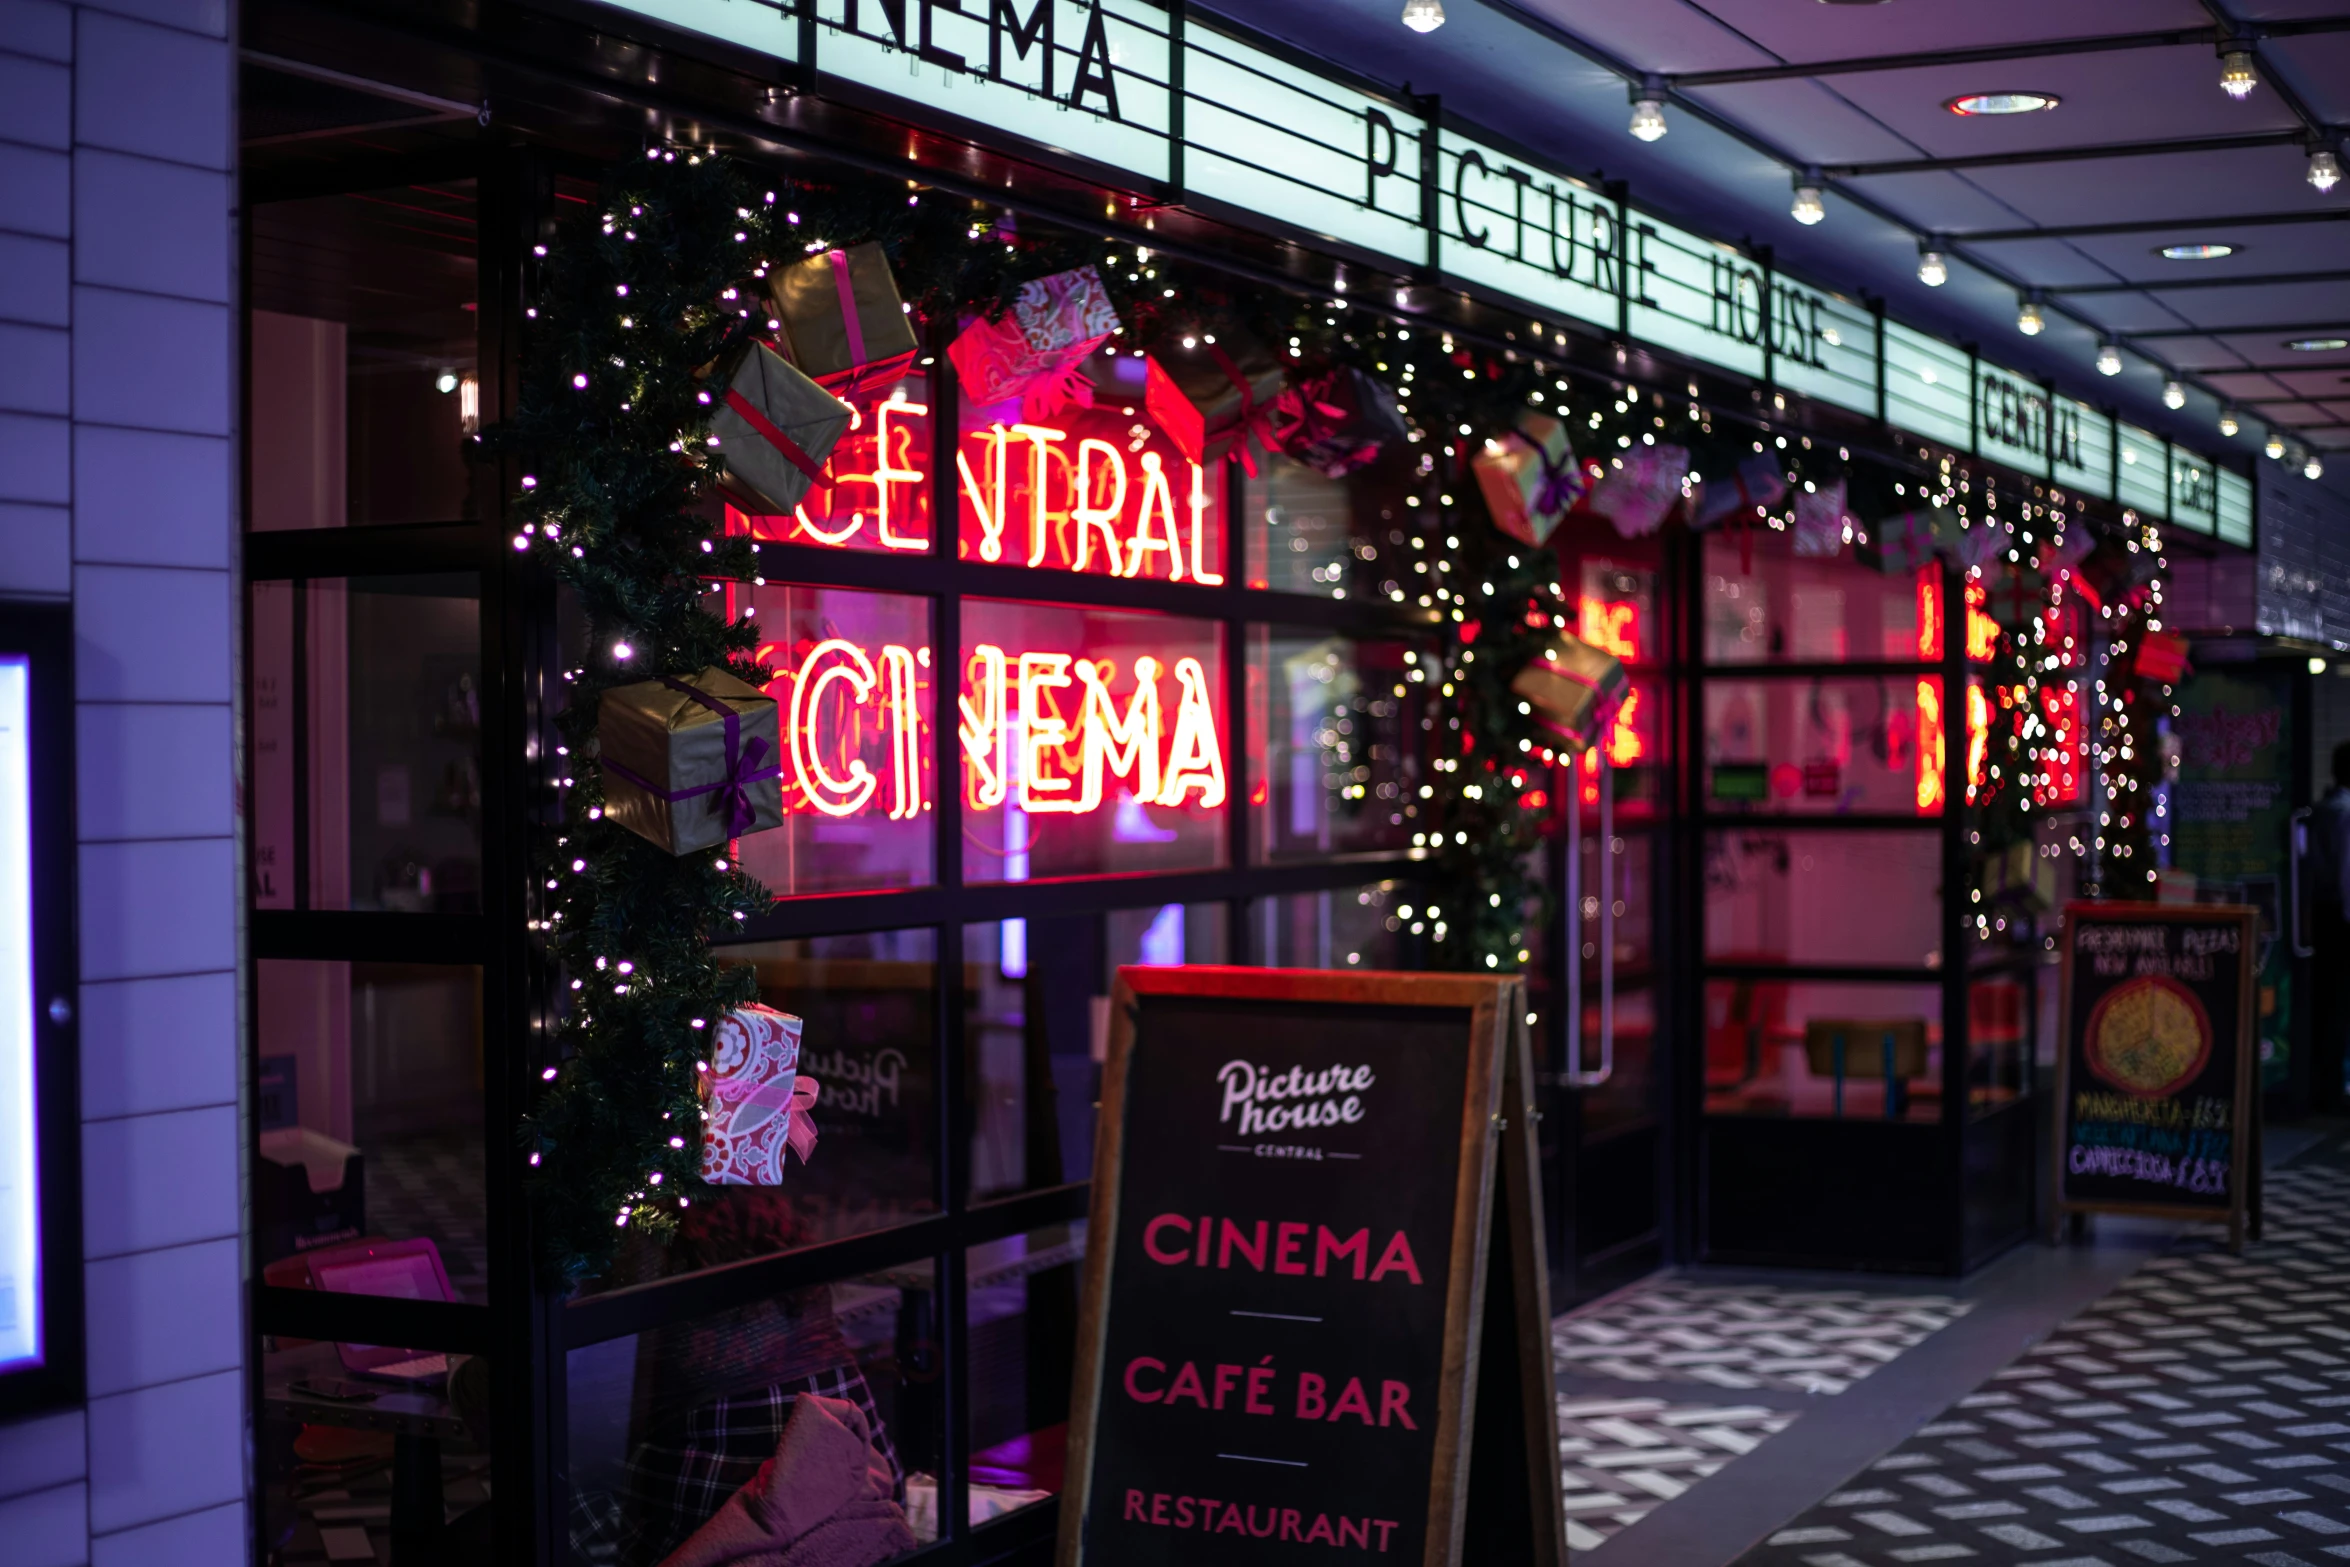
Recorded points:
(118,420)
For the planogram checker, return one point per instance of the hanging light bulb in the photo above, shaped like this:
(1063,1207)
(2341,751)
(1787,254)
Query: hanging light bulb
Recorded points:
(2237,78)
(2313,469)
(2275,447)
(2109,358)
(2173,394)
(2325,168)
(2227,422)
(2028,319)
(1807,207)
(1423,16)
(1933,270)
(1648,109)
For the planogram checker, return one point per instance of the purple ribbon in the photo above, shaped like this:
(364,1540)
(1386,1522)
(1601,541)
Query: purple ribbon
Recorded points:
(742,765)
(1561,486)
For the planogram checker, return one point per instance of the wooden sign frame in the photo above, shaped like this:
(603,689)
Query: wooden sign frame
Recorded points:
(1497,1236)
(2244,1128)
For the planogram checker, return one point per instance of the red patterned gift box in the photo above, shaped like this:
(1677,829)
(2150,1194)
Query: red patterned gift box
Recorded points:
(755,1101)
(1035,351)
(1215,397)
(1338,422)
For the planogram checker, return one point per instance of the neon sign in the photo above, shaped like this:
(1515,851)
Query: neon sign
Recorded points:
(1930,742)
(1045,731)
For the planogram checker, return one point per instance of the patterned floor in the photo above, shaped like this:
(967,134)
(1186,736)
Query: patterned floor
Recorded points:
(1746,1337)
(431,1184)
(1623,1456)
(2199,1413)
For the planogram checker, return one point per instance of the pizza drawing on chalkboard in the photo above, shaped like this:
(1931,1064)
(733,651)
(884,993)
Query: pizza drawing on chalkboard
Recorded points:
(2149,1037)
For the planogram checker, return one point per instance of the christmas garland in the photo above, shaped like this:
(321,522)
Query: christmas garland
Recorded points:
(611,434)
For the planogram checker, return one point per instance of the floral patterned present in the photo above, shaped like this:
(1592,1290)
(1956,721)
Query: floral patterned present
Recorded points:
(1338,422)
(1641,488)
(840,319)
(1530,478)
(1037,351)
(1822,521)
(755,1100)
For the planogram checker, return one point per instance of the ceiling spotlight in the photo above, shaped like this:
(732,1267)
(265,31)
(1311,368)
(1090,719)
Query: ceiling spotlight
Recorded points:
(2316,345)
(2109,358)
(2197,252)
(2173,394)
(1933,269)
(2313,469)
(2237,78)
(1972,104)
(2028,319)
(445,382)
(2325,168)
(1648,109)
(2275,447)
(1807,207)
(1423,16)
(2227,423)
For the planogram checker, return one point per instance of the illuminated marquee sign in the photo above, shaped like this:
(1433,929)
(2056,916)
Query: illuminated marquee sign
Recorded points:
(2012,419)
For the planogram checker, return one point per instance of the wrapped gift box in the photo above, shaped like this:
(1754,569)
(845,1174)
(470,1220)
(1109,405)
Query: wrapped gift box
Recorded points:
(755,1100)
(1214,398)
(1906,540)
(1757,484)
(691,763)
(1641,488)
(2016,596)
(1035,352)
(841,319)
(1530,479)
(1338,422)
(2161,657)
(775,428)
(1573,687)
(2112,571)
(1821,519)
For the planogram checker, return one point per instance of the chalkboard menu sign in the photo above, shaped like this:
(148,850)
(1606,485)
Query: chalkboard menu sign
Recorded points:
(2155,1075)
(1314,1284)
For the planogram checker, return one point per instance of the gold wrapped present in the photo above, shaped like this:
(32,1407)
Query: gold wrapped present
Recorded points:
(775,428)
(691,763)
(842,321)
(1573,687)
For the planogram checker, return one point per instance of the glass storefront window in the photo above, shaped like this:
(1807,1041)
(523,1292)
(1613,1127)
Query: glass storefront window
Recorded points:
(1824,897)
(1333,732)
(1786,608)
(362,384)
(1093,741)
(875,493)
(2001,1011)
(855,695)
(1101,490)
(1332,538)
(668,1424)
(1021,1313)
(1369,927)
(366,731)
(1829,746)
(368,1114)
(869,1038)
(1819,1049)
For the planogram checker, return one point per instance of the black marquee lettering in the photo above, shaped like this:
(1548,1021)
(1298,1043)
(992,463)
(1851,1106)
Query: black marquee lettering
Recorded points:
(1096,47)
(1725,297)
(1004,16)
(1520,178)
(1376,167)
(1460,207)
(1556,270)
(1607,266)
(1642,269)
(929,51)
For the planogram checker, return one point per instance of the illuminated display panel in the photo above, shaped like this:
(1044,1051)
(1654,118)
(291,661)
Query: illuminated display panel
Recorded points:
(1092,741)
(1333,744)
(875,492)
(1780,607)
(23,1330)
(855,692)
(1100,490)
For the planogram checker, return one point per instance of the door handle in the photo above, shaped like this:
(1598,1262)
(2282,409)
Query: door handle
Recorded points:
(2297,845)
(1570,946)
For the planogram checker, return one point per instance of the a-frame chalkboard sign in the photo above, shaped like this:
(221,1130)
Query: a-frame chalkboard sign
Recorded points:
(1316,1310)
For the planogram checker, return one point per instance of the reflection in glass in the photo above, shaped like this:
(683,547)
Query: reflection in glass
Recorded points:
(1378,926)
(1333,538)
(1021,1313)
(1823,1050)
(855,692)
(1825,746)
(1824,897)
(367,1105)
(1333,726)
(1789,608)
(2001,1011)
(361,381)
(366,726)
(667,1425)
(875,492)
(869,1039)
(1092,741)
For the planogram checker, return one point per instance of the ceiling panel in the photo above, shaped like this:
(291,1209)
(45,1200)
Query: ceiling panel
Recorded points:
(2176,187)
(2043,263)
(2318,66)
(1940,202)
(2319,304)
(1812,119)
(1661,35)
(1802,32)
(2261,249)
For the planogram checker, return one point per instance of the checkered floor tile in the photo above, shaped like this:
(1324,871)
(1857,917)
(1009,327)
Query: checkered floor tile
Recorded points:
(1729,1336)
(1622,1456)
(2198,1413)
(432,1185)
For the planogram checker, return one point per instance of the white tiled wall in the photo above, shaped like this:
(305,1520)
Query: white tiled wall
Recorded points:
(117,489)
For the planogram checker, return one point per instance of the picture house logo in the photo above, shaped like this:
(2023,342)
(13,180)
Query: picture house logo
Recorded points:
(1259,1101)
